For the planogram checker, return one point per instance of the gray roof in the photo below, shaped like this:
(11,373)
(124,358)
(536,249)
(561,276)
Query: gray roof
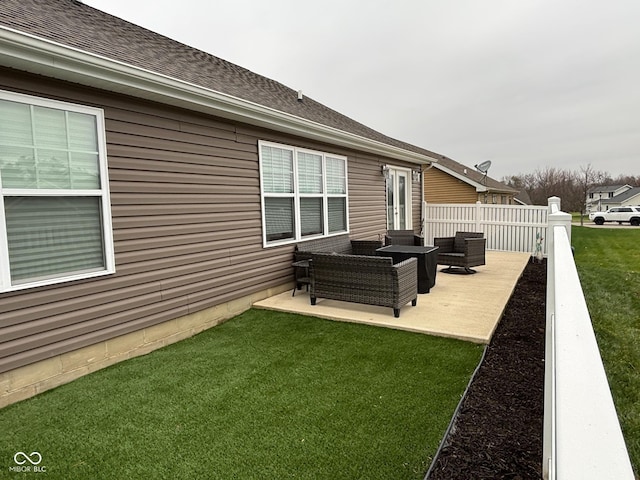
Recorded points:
(523,197)
(624,196)
(606,188)
(72,23)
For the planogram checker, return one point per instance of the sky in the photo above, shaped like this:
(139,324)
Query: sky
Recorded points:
(526,84)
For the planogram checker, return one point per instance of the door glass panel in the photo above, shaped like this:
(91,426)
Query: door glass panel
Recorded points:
(402,201)
(390,201)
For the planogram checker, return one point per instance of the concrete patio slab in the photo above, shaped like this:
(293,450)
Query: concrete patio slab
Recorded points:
(467,307)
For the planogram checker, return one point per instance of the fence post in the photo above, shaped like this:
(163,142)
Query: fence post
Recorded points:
(477,216)
(554,204)
(555,218)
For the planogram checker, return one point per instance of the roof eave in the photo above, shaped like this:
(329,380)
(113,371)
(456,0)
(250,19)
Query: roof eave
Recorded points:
(44,57)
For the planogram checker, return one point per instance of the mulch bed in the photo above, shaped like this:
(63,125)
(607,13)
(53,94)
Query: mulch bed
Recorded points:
(497,433)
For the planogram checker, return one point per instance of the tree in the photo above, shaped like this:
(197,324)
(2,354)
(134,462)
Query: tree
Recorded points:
(570,186)
(587,178)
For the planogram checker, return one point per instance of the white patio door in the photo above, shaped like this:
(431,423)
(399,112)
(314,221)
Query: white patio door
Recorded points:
(399,199)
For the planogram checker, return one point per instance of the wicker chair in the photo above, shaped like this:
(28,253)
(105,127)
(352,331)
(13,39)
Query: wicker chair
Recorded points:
(403,237)
(465,250)
(362,279)
(338,244)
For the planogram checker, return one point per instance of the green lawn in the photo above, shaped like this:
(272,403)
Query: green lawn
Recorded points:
(265,395)
(608,262)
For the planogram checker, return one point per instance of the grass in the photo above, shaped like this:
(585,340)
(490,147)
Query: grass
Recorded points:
(608,262)
(265,395)
(575,217)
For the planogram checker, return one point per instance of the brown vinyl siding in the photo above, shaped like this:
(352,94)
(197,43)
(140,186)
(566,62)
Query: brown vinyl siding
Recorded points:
(440,187)
(186,218)
(366,197)
(416,191)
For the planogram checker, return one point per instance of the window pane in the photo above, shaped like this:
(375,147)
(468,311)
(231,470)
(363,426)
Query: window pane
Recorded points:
(309,173)
(277,170)
(53,169)
(50,127)
(83,132)
(85,171)
(66,148)
(336,175)
(279,218)
(311,221)
(17,167)
(53,236)
(337,214)
(15,124)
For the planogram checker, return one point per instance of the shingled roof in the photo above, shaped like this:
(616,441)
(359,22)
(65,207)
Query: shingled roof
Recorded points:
(70,23)
(624,196)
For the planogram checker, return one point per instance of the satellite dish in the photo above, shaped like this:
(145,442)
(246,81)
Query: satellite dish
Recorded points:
(484,166)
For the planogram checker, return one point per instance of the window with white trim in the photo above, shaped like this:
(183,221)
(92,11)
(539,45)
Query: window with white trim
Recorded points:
(304,193)
(55,212)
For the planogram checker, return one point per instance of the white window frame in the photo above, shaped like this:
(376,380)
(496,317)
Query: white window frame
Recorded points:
(297,195)
(6,284)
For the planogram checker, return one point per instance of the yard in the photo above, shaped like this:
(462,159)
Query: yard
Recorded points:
(265,395)
(275,395)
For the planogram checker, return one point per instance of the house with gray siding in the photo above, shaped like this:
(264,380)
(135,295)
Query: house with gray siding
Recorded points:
(150,190)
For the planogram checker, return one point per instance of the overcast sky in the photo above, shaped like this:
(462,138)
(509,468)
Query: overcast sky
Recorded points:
(527,84)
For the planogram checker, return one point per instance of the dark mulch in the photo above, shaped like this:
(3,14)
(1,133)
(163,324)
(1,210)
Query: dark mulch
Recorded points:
(497,433)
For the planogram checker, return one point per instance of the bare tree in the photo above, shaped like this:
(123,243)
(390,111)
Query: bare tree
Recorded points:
(632,180)
(587,178)
(570,186)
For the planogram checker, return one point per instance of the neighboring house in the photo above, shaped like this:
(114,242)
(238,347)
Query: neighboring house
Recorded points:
(150,190)
(451,182)
(596,196)
(625,199)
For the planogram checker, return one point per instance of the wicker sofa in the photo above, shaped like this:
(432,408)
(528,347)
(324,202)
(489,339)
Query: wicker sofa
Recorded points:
(364,279)
(338,244)
(465,250)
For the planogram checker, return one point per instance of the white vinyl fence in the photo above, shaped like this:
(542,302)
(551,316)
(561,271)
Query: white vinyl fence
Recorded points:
(582,435)
(513,228)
